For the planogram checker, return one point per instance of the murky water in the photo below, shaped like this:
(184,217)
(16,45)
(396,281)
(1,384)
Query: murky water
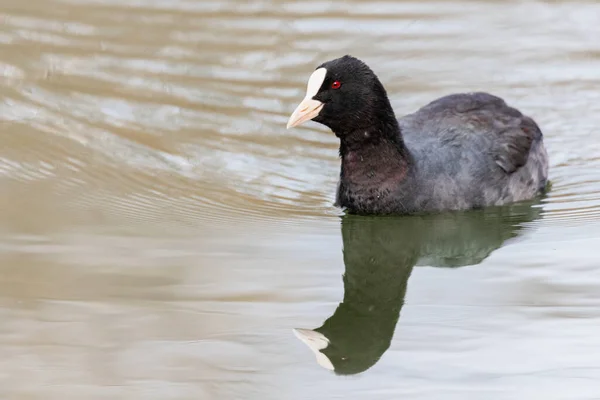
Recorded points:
(162,233)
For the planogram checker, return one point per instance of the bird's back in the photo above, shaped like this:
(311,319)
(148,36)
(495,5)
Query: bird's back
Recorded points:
(472,150)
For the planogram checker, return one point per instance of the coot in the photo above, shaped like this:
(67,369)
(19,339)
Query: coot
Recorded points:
(459,152)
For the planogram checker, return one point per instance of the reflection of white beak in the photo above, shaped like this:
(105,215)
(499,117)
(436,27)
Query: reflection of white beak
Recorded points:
(306,110)
(309,107)
(315,341)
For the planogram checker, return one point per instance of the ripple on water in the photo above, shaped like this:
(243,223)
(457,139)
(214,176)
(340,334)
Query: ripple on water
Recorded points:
(191,119)
(162,231)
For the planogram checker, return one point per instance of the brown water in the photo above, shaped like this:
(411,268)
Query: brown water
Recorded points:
(162,233)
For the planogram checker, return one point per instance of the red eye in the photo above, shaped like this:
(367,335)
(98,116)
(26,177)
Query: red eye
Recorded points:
(336,85)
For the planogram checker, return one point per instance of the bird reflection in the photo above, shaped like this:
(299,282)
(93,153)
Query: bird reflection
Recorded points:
(379,255)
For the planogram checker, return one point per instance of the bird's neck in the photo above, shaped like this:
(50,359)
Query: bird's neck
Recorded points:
(375,129)
(374,154)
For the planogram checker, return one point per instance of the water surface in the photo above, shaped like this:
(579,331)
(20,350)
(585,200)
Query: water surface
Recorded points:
(162,234)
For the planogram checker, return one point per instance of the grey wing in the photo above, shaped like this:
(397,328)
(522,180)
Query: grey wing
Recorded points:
(478,121)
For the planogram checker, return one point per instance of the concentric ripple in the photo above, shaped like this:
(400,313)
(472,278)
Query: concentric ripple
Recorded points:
(161,231)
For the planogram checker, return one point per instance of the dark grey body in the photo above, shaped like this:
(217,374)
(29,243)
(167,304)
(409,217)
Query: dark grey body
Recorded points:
(461,151)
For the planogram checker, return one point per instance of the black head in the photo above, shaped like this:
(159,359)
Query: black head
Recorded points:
(345,95)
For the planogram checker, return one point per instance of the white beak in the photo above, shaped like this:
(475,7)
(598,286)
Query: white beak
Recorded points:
(309,107)
(306,110)
(315,341)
